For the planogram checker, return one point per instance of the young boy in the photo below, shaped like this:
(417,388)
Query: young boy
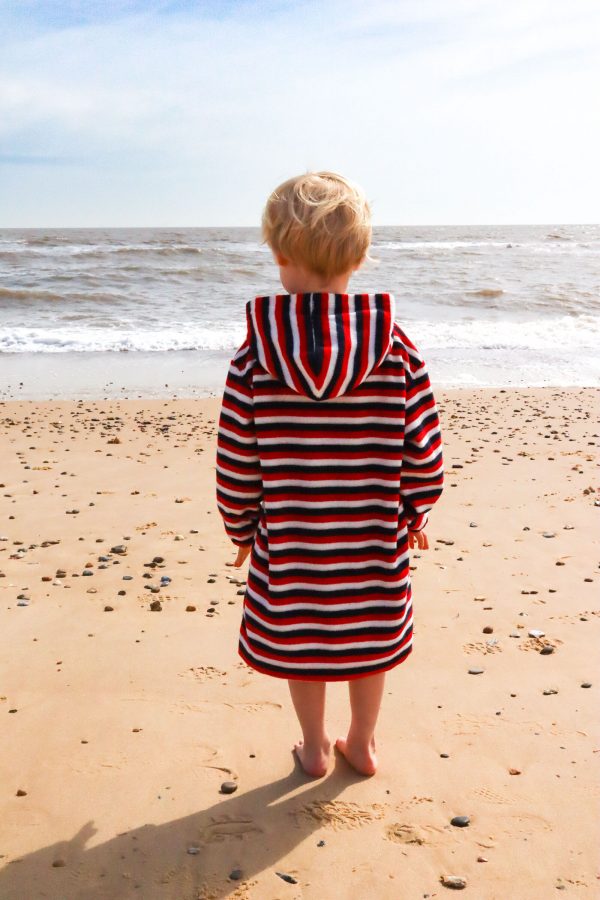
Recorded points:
(329,458)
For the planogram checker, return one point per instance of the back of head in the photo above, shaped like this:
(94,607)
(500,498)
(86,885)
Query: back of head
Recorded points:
(320,221)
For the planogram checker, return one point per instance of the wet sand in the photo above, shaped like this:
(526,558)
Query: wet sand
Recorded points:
(121,723)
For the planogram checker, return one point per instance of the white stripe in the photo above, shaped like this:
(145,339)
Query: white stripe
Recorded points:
(300,482)
(316,526)
(319,568)
(328,420)
(319,441)
(297,664)
(308,462)
(327,504)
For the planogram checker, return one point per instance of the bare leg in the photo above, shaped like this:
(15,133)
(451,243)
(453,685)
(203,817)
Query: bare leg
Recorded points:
(313,752)
(365,701)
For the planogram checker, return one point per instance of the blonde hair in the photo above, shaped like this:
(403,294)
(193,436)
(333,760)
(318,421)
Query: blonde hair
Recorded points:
(319,220)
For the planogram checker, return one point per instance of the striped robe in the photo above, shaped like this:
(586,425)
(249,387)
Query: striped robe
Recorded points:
(328,450)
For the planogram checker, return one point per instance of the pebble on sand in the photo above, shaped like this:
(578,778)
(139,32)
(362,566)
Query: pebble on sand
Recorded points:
(460,821)
(289,878)
(236,874)
(156,606)
(59,863)
(475,671)
(453,881)
(229,787)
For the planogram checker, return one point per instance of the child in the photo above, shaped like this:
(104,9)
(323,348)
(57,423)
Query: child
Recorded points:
(329,458)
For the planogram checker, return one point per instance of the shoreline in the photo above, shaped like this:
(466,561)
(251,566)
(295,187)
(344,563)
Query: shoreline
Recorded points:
(196,374)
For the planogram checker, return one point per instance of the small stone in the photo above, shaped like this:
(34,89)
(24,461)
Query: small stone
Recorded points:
(482,859)
(475,671)
(289,878)
(119,549)
(236,874)
(549,691)
(156,606)
(488,629)
(559,562)
(453,881)
(546,651)
(472,524)
(158,559)
(179,537)
(193,851)
(321,843)
(190,608)
(549,534)
(229,787)
(479,598)
(586,684)
(109,609)
(536,633)
(445,755)
(22,602)
(514,771)
(460,821)
(21,793)
(59,863)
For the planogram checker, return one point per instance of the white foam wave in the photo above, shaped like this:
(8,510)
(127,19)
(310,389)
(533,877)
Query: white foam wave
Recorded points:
(564,333)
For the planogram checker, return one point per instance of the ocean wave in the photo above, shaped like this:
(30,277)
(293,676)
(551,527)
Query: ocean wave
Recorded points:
(34,295)
(487,292)
(519,336)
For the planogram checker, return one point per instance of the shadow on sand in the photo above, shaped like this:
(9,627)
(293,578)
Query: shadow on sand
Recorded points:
(252,831)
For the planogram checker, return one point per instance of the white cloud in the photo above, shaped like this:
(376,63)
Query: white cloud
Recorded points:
(457,112)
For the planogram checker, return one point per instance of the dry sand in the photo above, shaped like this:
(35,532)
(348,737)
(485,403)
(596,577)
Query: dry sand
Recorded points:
(119,727)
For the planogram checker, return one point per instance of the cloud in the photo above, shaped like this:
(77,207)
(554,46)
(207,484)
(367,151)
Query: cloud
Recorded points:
(421,101)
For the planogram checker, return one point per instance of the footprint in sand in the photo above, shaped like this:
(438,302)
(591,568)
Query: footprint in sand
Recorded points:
(200,705)
(202,673)
(224,827)
(404,833)
(482,647)
(536,644)
(494,796)
(339,814)
(575,617)
(523,823)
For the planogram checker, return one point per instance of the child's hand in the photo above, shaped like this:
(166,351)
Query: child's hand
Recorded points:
(242,555)
(421,537)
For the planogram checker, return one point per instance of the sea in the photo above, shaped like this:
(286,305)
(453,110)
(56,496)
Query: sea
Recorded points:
(159,312)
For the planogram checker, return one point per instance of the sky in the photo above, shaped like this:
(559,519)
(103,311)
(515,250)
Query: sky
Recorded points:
(188,113)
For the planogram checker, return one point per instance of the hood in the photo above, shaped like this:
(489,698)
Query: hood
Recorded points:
(321,345)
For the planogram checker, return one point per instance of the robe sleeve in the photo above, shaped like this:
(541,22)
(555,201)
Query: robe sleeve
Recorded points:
(422,475)
(239,487)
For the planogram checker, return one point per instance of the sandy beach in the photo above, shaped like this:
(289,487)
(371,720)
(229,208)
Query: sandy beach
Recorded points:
(122,722)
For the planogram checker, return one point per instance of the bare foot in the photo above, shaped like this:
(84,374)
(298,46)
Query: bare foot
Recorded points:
(314,761)
(362,759)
